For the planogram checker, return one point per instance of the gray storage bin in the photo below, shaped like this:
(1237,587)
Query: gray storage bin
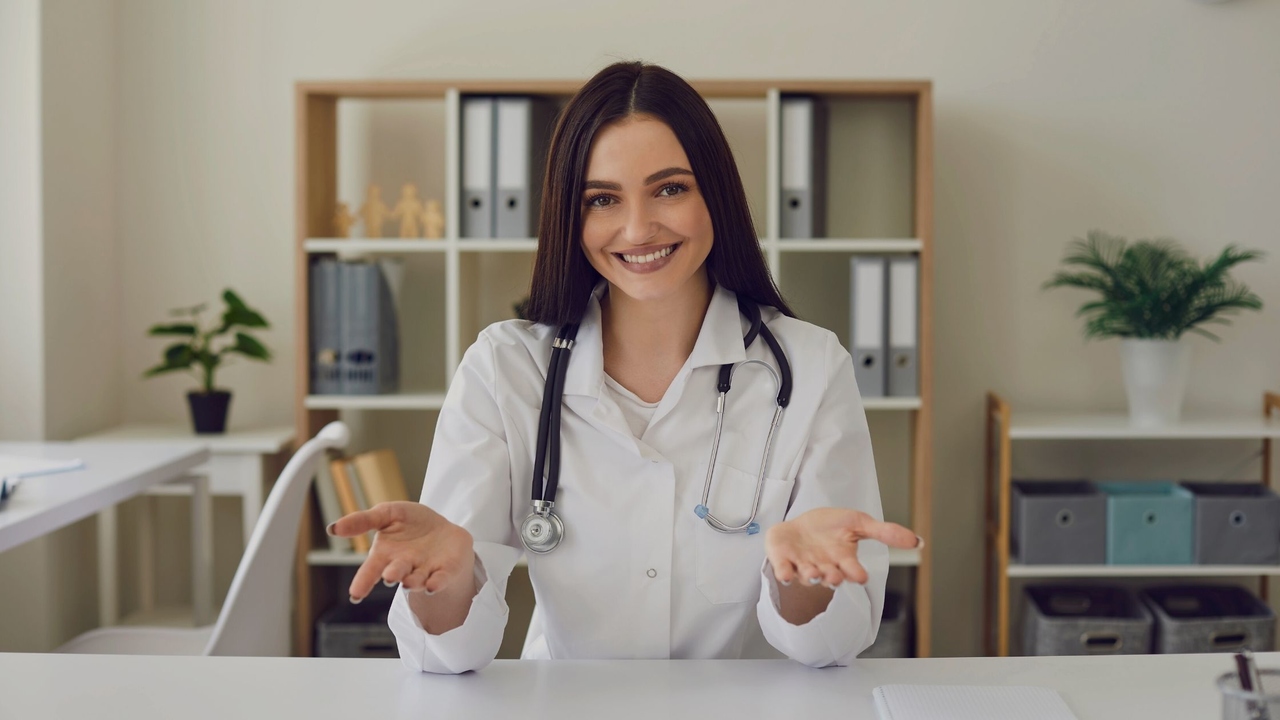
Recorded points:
(1148,523)
(1084,620)
(1058,522)
(356,631)
(1236,523)
(894,638)
(1209,618)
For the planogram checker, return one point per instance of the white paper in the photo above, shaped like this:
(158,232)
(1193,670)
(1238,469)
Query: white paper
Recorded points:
(969,702)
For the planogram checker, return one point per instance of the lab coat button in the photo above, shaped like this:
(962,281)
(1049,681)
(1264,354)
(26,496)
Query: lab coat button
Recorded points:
(652,573)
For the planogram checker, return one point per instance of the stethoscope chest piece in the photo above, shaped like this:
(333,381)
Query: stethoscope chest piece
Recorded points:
(542,530)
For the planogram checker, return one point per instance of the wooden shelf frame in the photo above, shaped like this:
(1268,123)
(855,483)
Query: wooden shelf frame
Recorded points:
(1002,430)
(316,196)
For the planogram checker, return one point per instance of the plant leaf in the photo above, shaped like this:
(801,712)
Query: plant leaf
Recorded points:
(248,346)
(173,329)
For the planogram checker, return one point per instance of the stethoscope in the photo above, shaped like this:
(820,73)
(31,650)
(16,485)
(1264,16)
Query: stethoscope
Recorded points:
(543,529)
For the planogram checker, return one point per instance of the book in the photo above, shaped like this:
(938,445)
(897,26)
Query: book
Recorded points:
(969,702)
(330,508)
(380,477)
(348,500)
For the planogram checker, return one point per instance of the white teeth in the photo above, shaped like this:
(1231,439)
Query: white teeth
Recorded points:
(641,259)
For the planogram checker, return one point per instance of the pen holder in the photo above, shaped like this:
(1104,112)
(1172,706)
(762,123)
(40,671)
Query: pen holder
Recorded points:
(1238,704)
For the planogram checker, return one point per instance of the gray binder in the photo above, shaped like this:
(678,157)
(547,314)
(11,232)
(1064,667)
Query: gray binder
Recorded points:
(477,167)
(523,132)
(370,332)
(804,167)
(903,368)
(326,352)
(867,279)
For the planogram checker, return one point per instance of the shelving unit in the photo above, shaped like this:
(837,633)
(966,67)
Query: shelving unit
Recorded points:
(1003,428)
(866,115)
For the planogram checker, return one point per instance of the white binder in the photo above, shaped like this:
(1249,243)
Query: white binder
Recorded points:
(522,135)
(803,168)
(867,275)
(903,367)
(477,167)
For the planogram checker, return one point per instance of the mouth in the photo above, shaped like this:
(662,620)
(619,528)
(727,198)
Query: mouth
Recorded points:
(647,258)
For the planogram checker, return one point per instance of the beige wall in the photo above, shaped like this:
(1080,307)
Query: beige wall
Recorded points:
(1147,117)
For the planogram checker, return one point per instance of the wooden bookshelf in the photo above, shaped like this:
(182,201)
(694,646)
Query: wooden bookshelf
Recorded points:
(1004,427)
(901,113)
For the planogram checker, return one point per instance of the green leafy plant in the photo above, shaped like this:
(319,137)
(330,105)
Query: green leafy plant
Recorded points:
(196,352)
(1152,288)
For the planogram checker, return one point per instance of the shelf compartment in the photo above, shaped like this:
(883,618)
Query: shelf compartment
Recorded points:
(390,401)
(1115,426)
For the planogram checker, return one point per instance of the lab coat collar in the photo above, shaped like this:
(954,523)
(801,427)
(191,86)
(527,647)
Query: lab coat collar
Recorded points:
(719,341)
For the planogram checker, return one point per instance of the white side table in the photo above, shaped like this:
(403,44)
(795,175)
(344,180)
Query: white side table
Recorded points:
(236,467)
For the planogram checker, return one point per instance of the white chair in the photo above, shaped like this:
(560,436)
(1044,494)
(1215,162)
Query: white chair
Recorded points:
(255,617)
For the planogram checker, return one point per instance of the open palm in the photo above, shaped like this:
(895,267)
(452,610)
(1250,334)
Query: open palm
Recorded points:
(821,545)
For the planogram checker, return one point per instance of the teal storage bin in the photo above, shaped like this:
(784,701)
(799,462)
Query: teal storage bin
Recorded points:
(1149,523)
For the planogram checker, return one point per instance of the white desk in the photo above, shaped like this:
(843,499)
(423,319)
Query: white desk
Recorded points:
(141,688)
(113,472)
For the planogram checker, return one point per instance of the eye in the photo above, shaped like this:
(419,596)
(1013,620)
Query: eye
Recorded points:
(677,187)
(591,202)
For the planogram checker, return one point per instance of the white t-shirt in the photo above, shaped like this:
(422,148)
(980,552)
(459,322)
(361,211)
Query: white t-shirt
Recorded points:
(637,412)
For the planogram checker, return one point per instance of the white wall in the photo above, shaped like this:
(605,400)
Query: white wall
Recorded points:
(1147,117)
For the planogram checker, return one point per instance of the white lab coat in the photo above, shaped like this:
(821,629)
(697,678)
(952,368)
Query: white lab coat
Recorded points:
(638,574)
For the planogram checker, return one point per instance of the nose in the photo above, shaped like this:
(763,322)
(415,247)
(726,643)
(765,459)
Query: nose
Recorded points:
(640,226)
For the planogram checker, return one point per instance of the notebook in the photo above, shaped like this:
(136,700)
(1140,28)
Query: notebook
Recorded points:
(969,702)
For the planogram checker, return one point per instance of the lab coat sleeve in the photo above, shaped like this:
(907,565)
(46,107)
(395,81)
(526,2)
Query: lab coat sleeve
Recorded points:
(468,481)
(836,470)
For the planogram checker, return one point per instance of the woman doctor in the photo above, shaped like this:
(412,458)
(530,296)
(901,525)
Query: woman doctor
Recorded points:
(646,243)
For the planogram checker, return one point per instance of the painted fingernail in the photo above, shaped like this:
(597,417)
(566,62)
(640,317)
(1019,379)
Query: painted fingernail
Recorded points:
(919,542)
(355,600)
(828,586)
(329,528)
(785,583)
(388,583)
(815,580)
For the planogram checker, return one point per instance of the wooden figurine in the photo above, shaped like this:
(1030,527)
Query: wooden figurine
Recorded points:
(433,220)
(342,220)
(408,210)
(374,212)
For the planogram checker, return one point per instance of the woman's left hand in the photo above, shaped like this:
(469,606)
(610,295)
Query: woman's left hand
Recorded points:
(821,545)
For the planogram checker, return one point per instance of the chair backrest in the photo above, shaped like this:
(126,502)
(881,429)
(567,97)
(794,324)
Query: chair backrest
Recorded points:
(255,617)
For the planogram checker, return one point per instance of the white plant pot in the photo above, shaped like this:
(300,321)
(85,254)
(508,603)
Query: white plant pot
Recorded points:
(1155,379)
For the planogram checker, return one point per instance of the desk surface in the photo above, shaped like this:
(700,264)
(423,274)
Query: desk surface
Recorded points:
(113,472)
(140,688)
(260,440)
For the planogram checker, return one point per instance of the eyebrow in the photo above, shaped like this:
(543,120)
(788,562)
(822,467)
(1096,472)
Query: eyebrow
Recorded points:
(660,175)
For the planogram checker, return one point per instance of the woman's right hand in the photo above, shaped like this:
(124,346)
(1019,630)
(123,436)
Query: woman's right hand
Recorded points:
(414,546)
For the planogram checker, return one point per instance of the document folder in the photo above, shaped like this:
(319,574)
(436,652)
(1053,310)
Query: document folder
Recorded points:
(477,167)
(326,353)
(804,155)
(903,368)
(524,130)
(867,295)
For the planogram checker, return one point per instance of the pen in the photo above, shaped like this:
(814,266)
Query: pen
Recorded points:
(1251,682)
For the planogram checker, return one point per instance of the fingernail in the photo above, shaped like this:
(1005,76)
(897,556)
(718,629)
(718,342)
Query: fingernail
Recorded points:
(919,542)
(785,583)
(828,586)
(355,600)
(388,583)
(428,592)
(329,528)
(815,580)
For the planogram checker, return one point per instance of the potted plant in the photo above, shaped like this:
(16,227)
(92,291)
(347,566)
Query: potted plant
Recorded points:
(1152,293)
(196,353)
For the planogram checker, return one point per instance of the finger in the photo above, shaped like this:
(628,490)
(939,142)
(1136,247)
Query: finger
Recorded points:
(853,570)
(784,571)
(359,523)
(417,579)
(891,534)
(832,575)
(370,570)
(395,572)
(808,572)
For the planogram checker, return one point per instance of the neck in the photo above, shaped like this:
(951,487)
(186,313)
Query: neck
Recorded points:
(666,328)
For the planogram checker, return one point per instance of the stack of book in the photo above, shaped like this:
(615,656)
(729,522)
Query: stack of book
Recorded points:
(358,483)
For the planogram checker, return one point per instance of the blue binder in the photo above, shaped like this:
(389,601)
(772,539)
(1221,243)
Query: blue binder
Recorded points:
(326,352)
(369,330)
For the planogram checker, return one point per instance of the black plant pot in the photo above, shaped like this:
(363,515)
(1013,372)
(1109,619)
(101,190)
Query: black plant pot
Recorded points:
(209,410)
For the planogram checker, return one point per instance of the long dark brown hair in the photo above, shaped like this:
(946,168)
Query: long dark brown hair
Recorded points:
(562,276)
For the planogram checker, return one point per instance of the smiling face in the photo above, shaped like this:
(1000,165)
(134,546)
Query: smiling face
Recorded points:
(645,225)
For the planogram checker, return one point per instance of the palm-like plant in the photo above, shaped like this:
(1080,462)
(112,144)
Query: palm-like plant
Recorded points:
(196,348)
(1152,289)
